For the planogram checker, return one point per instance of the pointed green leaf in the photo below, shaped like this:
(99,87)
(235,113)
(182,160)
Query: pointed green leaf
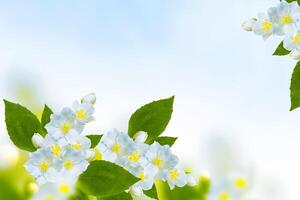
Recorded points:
(105,179)
(47,112)
(21,124)
(152,192)
(121,196)
(95,139)
(281,51)
(152,118)
(295,88)
(166,140)
(79,195)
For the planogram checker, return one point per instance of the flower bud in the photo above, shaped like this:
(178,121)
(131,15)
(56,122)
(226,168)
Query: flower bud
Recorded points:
(140,137)
(90,98)
(37,140)
(295,54)
(191,180)
(89,155)
(248,25)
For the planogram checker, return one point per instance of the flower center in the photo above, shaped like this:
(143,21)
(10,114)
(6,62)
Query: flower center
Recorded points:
(142,176)
(157,161)
(296,38)
(56,149)
(44,166)
(76,146)
(134,157)
(174,174)
(266,26)
(64,188)
(286,19)
(68,164)
(116,148)
(65,128)
(240,183)
(81,114)
(224,196)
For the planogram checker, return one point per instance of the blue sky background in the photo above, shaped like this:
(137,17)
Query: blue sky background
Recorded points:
(227,84)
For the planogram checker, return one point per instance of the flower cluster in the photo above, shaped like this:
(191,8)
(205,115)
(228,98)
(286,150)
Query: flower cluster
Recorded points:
(283,20)
(65,153)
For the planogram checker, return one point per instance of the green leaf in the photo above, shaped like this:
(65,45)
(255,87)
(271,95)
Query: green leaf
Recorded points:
(21,124)
(166,140)
(79,195)
(281,51)
(95,139)
(152,118)
(105,179)
(152,192)
(295,88)
(47,112)
(121,196)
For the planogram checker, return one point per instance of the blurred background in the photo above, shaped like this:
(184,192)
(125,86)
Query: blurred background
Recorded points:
(231,110)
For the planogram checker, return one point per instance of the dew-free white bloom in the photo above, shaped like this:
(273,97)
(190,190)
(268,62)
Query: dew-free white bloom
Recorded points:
(140,136)
(136,156)
(176,177)
(292,41)
(264,26)
(80,143)
(160,159)
(147,176)
(37,140)
(57,147)
(48,192)
(42,166)
(286,15)
(63,125)
(295,54)
(248,25)
(83,111)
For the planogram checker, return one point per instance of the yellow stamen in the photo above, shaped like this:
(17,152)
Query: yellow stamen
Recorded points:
(98,155)
(81,114)
(174,174)
(134,157)
(157,161)
(142,176)
(64,188)
(68,164)
(240,183)
(266,26)
(116,148)
(76,146)
(56,149)
(224,196)
(65,128)
(286,19)
(44,166)
(296,39)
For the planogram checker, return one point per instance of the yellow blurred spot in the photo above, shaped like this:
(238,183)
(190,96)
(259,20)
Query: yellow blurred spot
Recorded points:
(76,146)
(134,157)
(174,174)
(224,196)
(98,155)
(44,166)
(240,183)
(266,26)
(64,188)
(68,164)
(65,127)
(49,198)
(56,149)
(286,19)
(81,114)
(188,171)
(116,148)
(142,176)
(157,161)
(32,187)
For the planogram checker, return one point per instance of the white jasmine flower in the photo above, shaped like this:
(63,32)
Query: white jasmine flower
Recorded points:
(176,177)
(295,54)
(37,140)
(65,184)
(264,26)
(83,112)
(73,162)
(80,143)
(147,176)
(160,159)
(56,147)
(115,147)
(248,25)
(286,15)
(136,156)
(292,41)
(140,137)
(48,192)
(41,165)
(64,125)
(90,98)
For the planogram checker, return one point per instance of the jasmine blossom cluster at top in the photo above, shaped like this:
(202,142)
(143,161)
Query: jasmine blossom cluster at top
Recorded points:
(283,20)
(64,152)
